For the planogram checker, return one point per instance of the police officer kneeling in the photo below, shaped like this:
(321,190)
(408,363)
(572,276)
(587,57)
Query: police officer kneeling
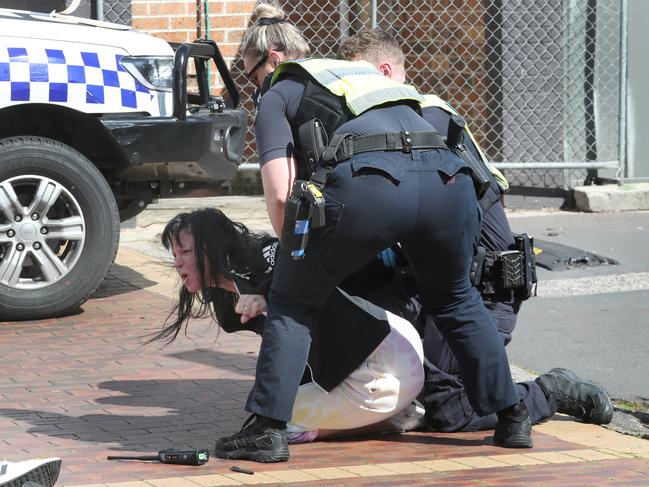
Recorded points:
(390,179)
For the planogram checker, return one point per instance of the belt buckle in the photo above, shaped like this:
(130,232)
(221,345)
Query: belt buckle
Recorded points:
(406,141)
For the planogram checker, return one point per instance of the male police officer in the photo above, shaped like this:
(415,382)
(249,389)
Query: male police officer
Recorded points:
(447,406)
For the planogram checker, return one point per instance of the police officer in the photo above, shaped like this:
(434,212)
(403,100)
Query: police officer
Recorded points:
(392,180)
(445,397)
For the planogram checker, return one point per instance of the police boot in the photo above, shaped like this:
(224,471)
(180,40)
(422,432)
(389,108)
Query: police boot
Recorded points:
(261,439)
(514,428)
(568,394)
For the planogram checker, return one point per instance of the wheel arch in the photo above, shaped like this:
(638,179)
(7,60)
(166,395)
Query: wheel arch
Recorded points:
(81,131)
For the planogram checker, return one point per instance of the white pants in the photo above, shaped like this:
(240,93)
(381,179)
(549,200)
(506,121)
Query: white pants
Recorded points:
(382,386)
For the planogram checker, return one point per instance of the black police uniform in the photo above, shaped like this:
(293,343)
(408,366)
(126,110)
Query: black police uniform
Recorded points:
(445,398)
(425,201)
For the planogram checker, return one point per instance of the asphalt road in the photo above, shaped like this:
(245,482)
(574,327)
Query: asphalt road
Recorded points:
(593,320)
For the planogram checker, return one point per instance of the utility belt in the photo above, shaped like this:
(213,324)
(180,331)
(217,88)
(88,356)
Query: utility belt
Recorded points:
(305,207)
(344,146)
(501,274)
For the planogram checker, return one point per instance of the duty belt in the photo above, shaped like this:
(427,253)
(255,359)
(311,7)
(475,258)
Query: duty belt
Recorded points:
(344,146)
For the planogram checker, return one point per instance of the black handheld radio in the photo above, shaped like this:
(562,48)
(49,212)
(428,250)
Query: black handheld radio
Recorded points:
(176,457)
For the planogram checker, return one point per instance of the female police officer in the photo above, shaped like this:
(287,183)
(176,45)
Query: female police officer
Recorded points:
(392,181)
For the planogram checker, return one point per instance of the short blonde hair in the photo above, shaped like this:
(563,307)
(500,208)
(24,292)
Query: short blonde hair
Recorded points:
(373,45)
(270,30)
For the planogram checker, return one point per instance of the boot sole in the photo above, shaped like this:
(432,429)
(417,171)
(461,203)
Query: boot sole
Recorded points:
(45,475)
(521,441)
(280,455)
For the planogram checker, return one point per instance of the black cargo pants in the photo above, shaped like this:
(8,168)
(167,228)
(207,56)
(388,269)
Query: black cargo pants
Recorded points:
(426,202)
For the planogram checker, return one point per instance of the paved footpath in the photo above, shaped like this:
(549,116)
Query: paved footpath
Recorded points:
(86,386)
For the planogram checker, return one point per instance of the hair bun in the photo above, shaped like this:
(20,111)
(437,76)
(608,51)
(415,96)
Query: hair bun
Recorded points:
(266,12)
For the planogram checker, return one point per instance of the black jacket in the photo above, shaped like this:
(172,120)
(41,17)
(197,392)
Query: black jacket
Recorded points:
(347,329)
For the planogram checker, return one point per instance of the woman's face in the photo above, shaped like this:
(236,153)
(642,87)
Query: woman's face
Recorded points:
(186,265)
(257,68)
(185,260)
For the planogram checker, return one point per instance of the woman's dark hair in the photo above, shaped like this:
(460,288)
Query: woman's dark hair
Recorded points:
(226,246)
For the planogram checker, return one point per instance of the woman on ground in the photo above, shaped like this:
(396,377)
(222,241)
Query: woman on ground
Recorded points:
(362,373)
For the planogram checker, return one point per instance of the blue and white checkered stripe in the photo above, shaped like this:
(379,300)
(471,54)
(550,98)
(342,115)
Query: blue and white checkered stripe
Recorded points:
(91,81)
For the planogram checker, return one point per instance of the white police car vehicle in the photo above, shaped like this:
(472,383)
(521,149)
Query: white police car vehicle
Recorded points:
(95,123)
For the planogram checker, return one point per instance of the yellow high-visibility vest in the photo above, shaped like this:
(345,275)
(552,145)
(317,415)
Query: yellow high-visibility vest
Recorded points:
(436,101)
(359,82)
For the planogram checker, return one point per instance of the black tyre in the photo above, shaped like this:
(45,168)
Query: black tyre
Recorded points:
(59,228)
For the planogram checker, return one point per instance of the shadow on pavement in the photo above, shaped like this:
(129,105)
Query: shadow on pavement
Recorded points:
(206,356)
(120,280)
(174,413)
(425,438)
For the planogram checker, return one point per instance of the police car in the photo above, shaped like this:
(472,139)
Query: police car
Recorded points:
(95,123)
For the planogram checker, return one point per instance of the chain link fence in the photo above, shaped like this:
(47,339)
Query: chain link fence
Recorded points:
(538,80)
(117,11)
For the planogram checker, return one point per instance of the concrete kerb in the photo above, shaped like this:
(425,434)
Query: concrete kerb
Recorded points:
(252,211)
(612,197)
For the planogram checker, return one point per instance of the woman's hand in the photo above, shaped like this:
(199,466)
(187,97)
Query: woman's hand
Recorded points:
(250,305)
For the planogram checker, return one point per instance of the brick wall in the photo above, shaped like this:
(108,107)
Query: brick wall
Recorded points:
(445,44)
(184,21)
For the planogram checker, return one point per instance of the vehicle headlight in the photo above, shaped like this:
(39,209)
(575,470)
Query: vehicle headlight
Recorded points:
(156,73)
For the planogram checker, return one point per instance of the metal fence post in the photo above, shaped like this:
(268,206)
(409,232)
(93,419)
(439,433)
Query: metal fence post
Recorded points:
(344,24)
(99,6)
(621,170)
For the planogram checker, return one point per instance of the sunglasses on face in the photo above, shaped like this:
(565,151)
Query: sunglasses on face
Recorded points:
(251,74)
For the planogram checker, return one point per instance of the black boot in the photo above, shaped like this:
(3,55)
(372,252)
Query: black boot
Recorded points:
(514,428)
(261,439)
(568,394)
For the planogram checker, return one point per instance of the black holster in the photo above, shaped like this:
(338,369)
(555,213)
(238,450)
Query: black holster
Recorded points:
(304,209)
(506,272)
(313,140)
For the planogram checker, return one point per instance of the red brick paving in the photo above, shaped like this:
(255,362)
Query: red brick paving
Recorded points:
(85,386)
(612,473)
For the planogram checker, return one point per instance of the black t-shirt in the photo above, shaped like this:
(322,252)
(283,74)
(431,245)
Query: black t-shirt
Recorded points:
(279,105)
